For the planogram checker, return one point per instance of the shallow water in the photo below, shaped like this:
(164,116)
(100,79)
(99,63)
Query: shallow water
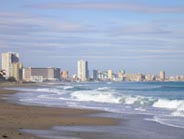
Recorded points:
(163,100)
(132,127)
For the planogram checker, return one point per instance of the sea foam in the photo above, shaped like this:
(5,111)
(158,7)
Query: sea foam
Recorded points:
(95,96)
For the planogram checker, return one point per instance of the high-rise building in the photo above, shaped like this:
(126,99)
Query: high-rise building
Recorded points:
(82,70)
(95,75)
(7,60)
(16,71)
(110,74)
(162,75)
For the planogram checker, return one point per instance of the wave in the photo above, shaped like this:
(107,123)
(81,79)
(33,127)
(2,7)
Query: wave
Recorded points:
(168,121)
(95,96)
(176,105)
(111,97)
(21,89)
(137,100)
(179,111)
(156,86)
(104,89)
(57,90)
(143,87)
(68,87)
(108,95)
(65,87)
(50,90)
(172,87)
(47,90)
(168,104)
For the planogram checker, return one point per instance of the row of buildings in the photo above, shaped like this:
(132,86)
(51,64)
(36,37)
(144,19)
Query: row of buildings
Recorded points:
(11,65)
(122,76)
(109,75)
(13,68)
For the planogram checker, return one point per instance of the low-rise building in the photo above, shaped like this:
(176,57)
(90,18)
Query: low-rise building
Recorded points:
(41,74)
(65,75)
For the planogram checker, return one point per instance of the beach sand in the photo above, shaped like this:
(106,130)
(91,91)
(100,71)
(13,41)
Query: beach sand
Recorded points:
(15,117)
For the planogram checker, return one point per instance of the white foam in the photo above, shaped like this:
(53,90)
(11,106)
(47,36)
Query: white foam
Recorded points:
(179,111)
(137,100)
(50,90)
(140,109)
(95,96)
(169,104)
(67,87)
(130,100)
(111,97)
(104,88)
(176,105)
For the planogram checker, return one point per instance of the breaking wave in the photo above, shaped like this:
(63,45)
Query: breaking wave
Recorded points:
(95,96)
(120,96)
(176,105)
(111,97)
(140,102)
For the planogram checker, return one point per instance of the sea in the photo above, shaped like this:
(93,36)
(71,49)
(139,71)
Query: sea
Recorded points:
(162,102)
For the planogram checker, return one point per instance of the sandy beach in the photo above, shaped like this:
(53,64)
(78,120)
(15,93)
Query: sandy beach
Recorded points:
(15,117)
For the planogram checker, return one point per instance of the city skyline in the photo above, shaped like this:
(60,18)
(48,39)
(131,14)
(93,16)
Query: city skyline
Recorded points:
(12,69)
(138,36)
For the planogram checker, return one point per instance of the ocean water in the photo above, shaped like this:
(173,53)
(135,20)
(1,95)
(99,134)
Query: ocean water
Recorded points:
(164,101)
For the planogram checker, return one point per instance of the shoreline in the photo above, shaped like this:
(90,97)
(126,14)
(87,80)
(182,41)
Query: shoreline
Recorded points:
(19,121)
(16,117)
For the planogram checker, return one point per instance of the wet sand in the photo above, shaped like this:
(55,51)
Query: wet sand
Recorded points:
(14,118)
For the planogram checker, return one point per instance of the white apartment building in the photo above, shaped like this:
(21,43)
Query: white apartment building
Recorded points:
(82,70)
(8,61)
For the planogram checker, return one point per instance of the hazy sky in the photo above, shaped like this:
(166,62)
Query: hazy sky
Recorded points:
(136,35)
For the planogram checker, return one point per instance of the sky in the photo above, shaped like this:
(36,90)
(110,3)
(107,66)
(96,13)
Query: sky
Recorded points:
(139,36)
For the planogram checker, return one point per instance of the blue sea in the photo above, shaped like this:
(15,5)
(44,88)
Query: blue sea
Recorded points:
(164,101)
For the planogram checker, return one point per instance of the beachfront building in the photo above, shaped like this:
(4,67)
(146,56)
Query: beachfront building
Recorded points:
(65,75)
(82,70)
(11,65)
(150,77)
(16,71)
(132,77)
(95,75)
(41,74)
(110,74)
(162,75)
(121,74)
(102,75)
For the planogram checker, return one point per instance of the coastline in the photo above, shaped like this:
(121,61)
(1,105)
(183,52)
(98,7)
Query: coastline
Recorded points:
(14,118)
(39,122)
